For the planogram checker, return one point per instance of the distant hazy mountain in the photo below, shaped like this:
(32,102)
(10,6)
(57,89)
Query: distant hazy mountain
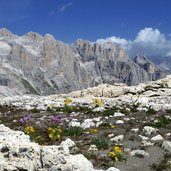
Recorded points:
(42,65)
(154,71)
(162,62)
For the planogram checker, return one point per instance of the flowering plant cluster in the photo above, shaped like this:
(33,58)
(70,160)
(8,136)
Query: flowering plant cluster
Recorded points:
(93,130)
(25,119)
(54,133)
(116,154)
(29,130)
(67,101)
(98,102)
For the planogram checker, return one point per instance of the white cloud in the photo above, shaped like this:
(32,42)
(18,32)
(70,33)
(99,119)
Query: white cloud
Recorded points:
(64,7)
(113,39)
(149,35)
(149,41)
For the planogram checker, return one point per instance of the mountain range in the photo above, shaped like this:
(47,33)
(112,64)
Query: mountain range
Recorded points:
(36,64)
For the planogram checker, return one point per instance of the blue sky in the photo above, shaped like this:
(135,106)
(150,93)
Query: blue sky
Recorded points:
(139,26)
(68,20)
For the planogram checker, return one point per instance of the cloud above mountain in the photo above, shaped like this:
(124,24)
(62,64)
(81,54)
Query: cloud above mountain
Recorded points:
(149,41)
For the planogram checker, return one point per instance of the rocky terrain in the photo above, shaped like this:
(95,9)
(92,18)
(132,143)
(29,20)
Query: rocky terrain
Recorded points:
(42,65)
(111,127)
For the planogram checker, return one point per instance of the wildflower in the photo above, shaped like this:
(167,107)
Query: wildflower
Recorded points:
(93,130)
(56,119)
(51,129)
(52,105)
(58,136)
(113,126)
(26,118)
(117,150)
(98,102)
(50,135)
(112,154)
(60,130)
(116,154)
(116,158)
(161,113)
(29,129)
(54,133)
(67,101)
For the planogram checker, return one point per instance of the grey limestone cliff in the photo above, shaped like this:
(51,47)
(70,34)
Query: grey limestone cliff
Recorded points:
(43,65)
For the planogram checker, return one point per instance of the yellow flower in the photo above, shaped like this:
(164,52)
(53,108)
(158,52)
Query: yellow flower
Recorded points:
(93,130)
(50,135)
(29,129)
(60,130)
(32,129)
(51,129)
(52,105)
(67,101)
(98,102)
(117,149)
(58,136)
(113,126)
(112,154)
(116,158)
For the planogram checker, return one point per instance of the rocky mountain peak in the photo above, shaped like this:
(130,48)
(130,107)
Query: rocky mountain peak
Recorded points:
(43,65)
(141,59)
(145,63)
(49,37)
(93,51)
(34,36)
(154,71)
(5,32)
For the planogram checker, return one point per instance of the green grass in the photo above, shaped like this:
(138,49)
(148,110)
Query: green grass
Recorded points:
(35,110)
(150,111)
(110,111)
(162,122)
(168,111)
(73,131)
(70,109)
(100,142)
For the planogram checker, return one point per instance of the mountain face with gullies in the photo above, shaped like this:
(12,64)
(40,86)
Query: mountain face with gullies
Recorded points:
(36,64)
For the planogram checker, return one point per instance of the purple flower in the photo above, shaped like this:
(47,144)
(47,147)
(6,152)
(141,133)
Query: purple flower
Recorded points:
(161,113)
(26,118)
(56,119)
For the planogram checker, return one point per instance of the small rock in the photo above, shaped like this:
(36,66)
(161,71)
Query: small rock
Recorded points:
(111,135)
(118,114)
(118,122)
(168,134)
(135,130)
(148,130)
(127,150)
(98,109)
(93,148)
(132,118)
(117,138)
(112,169)
(127,119)
(99,123)
(74,124)
(143,138)
(157,138)
(139,153)
(88,123)
(167,146)
(146,144)
(96,119)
